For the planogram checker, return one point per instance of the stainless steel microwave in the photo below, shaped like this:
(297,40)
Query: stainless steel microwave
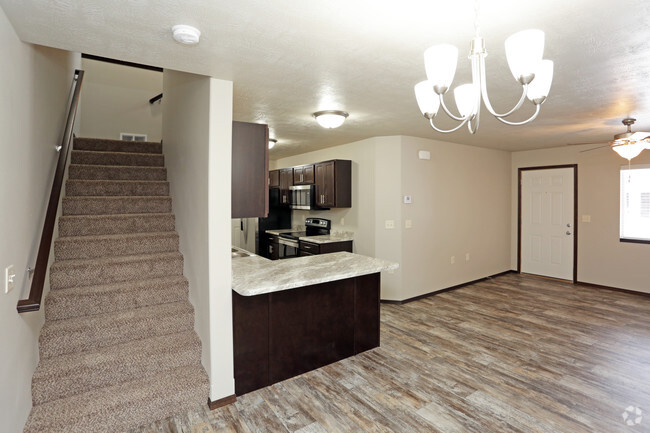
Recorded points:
(303,197)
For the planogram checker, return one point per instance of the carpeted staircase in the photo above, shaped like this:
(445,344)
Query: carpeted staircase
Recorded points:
(118,348)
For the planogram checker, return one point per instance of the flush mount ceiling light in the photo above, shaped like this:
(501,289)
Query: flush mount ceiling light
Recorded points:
(330,118)
(272,142)
(186,35)
(524,52)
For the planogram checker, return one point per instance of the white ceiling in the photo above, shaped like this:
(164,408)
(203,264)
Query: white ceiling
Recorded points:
(290,58)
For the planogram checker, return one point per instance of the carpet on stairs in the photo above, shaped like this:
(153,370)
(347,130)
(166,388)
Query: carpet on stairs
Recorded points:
(118,348)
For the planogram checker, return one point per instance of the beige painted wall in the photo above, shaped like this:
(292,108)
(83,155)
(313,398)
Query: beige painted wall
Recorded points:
(457,194)
(197,142)
(34,92)
(460,206)
(602,258)
(115,99)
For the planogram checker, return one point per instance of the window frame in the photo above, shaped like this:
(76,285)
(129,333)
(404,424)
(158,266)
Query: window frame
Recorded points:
(624,169)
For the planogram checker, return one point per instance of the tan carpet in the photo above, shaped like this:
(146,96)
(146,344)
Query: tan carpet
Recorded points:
(118,348)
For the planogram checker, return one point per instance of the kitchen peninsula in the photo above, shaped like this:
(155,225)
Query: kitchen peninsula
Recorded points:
(292,316)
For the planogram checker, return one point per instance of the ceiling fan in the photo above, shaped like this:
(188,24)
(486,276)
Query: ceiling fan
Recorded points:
(627,144)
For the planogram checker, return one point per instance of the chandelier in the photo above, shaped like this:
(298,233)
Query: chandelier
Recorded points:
(524,51)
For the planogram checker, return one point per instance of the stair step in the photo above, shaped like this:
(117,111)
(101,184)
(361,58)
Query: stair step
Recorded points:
(108,172)
(90,157)
(124,406)
(79,187)
(90,247)
(87,300)
(107,145)
(95,272)
(98,205)
(80,334)
(89,225)
(75,373)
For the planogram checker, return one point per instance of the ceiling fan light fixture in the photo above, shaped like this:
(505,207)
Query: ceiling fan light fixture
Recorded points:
(330,118)
(628,149)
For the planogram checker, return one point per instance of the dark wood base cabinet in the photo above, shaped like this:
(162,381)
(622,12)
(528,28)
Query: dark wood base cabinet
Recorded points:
(287,333)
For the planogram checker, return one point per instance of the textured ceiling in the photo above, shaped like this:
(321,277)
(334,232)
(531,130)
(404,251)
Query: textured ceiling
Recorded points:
(288,59)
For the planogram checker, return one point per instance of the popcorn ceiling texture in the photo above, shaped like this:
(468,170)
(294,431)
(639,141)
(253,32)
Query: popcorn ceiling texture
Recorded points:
(118,348)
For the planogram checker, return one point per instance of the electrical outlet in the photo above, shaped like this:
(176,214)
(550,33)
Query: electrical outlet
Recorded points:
(10,277)
(453,259)
(408,224)
(467,257)
(390,224)
(342,221)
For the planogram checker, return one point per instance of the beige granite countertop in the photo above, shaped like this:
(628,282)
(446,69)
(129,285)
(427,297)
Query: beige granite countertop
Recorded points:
(256,275)
(322,239)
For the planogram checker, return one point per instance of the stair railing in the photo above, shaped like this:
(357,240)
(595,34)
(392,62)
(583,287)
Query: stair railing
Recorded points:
(33,303)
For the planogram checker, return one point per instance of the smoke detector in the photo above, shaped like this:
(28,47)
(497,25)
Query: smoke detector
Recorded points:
(186,35)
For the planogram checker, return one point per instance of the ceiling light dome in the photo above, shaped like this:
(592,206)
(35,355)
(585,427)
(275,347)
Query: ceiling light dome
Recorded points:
(330,118)
(186,35)
(272,142)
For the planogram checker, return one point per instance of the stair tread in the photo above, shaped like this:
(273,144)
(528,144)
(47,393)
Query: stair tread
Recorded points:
(83,333)
(93,238)
(71,302)
(108,145)
(113,158)
(123,406)
(131,181)
(114,152)
(63,264)
(74,373)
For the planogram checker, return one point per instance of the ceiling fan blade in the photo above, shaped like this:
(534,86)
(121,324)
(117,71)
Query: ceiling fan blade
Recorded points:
(594,148)
(588,142)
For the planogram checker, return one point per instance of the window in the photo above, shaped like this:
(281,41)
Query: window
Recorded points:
(635,203)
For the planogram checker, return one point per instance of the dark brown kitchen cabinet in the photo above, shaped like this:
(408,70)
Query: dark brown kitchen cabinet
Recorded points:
(250,170)
(273,247)
(274,179)
(333,181)
(283,334)
(303,175)
(286,180)
(311,248)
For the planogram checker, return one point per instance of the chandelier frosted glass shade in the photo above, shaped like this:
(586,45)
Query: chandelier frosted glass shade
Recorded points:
(330,118)
(524,51)
(440,64)
(427,100)
(539,88)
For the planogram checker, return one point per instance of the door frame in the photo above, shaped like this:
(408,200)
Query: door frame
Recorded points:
(520,171)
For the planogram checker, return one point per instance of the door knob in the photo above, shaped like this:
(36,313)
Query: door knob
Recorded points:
(568,232)
(568,225)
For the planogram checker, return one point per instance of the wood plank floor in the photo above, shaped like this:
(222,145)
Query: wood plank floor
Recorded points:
(510,354)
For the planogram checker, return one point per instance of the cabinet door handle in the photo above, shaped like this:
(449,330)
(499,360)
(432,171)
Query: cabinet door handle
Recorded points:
(271,249)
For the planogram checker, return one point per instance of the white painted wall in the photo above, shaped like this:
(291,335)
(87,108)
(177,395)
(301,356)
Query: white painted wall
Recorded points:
(34,92)
(197,132)
(602,258)
(116,99)
(461,201)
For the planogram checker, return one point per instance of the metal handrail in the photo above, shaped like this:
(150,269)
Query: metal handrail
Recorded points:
(33,303)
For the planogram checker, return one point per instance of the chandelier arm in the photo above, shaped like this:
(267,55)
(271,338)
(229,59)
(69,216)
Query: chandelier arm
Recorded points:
(449,113)
(444,131)
(486,99)
(475,117)
(530,119)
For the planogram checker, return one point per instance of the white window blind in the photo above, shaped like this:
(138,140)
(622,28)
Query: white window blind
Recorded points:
(635,202)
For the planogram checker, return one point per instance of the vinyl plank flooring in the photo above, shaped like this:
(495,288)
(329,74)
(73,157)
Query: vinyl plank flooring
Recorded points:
(512,354)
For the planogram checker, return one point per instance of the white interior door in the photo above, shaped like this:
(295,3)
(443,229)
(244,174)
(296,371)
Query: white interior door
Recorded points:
(547,208)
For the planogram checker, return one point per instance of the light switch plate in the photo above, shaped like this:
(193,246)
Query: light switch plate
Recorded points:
(10,276)
(390,224)
(586,218)
(408,224)
(408,199)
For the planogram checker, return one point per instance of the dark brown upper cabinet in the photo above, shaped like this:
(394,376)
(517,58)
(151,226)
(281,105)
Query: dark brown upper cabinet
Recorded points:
(333,181)
(286,180)
(250,170)
(274,179)
(303,175)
